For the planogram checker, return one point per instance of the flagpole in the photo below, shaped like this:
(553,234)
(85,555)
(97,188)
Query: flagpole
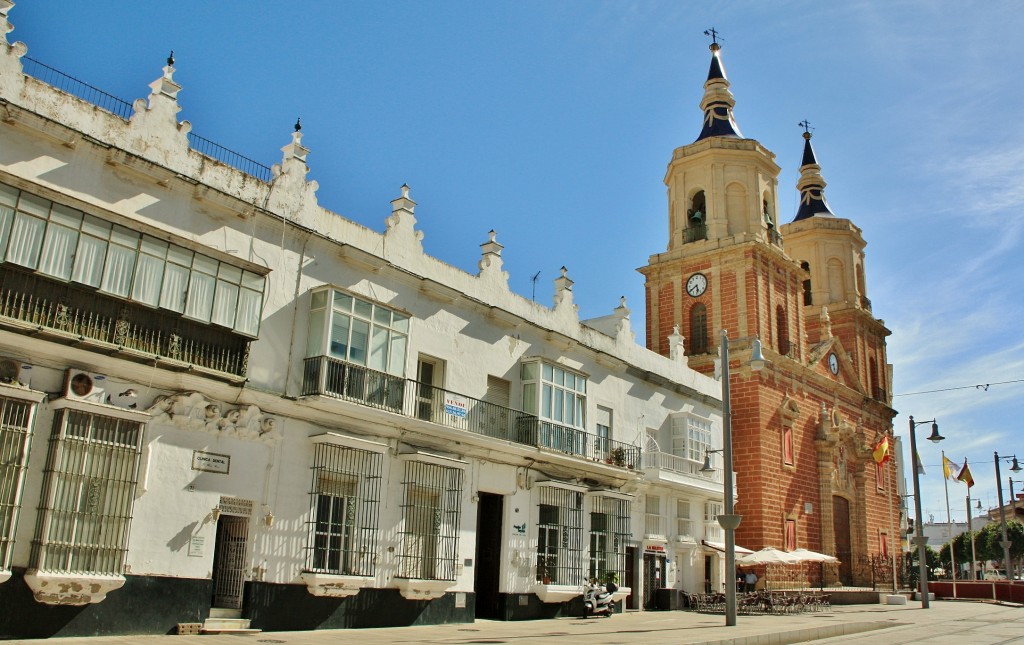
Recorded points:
(892,534)
(949,519)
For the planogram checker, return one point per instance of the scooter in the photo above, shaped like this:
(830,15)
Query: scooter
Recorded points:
(597,598)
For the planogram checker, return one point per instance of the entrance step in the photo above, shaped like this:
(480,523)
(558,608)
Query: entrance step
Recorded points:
(227,621)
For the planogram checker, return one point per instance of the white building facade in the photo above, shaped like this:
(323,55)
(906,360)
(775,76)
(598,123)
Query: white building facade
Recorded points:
(218,395)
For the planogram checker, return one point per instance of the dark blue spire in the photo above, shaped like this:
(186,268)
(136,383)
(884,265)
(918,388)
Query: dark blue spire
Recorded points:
(811,185)
(718,101)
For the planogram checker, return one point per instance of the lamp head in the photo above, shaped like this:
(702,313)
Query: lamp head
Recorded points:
(979,505)
(935,437)
(1016,466)
(757,360)
(707,467)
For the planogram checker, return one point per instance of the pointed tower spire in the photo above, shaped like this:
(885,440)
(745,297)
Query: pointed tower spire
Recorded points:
(718,101)
(811,184)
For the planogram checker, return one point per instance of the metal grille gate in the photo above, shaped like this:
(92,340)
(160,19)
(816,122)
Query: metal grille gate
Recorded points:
(229,565)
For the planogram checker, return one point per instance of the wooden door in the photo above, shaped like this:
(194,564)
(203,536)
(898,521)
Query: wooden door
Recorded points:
(844,550)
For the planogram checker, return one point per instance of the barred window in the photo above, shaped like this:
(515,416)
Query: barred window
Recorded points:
(344,511)
(560,536)
(15,428)
(684,523)
(72,246)
(609,531)
(431,508)
(88,491)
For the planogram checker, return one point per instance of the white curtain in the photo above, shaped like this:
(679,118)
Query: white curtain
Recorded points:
(6,218)
(149,273)
(117,271)
(200,296)
(225,303)
(26,238)
(250,306)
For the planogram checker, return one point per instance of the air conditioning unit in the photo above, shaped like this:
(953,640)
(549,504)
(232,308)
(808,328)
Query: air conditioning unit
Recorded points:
(10,370)
(85,386)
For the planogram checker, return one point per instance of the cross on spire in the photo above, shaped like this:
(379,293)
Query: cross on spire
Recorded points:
(714,35)
(806,125)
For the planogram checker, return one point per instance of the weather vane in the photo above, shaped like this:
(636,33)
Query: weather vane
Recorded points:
(806,125)
(714,35)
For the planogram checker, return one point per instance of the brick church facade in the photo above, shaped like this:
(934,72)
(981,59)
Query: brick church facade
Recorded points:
(804,427)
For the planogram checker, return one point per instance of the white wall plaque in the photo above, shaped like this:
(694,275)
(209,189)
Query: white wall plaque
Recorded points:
(211,462)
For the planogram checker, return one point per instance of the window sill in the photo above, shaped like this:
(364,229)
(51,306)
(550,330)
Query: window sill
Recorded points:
(555,593)
(330,585)
(71,589)
(422,589)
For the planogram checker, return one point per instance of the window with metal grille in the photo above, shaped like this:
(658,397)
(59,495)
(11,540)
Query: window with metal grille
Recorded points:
(609,530)
(560,536)
(344,511)
(88,489)
(15,426)
(431,508)
(684,523)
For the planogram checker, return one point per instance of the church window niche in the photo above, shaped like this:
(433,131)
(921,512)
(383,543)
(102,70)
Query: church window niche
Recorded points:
(698,329)
(769,221)
(876,391)
(790,536)
(836,289)
(787,445)
(807,283)
(782,330)
(736,208)
(696,218)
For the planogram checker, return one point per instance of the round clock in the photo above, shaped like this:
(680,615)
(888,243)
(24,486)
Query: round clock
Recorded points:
(833,363)
(697,284)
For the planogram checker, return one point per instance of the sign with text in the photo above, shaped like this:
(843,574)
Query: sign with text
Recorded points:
(211,462)
(456,405)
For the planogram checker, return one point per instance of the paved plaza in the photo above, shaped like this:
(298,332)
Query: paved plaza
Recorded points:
(953,622)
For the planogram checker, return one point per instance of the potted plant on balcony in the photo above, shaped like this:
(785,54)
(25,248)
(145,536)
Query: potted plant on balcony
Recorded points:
(617,456)
(611,581)
(545,568)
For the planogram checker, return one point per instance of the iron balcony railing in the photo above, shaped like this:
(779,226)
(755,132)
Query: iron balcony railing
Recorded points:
(682,465)
(695,232)
(327,376)
(775,237)
(120,107)
(80,314)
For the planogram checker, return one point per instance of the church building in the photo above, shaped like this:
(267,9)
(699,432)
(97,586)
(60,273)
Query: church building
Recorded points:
(805,427)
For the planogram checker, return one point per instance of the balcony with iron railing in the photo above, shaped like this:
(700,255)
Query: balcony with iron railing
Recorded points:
(713,531)
(66,312)
(327,376)
(669,463)
(695,232)
(655,525)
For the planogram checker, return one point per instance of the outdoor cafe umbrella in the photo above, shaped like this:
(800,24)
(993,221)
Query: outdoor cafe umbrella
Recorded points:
(769,555)
(813,556)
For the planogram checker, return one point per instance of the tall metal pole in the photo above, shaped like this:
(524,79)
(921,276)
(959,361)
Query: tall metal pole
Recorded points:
(892,534)
(970,531)
(1002,517)
(920,540)
(729,521)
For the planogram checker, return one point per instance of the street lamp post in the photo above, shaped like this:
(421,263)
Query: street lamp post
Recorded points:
(1002,511)
(921,540)
(729,521)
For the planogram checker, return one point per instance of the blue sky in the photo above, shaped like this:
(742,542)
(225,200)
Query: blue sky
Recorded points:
(553,122)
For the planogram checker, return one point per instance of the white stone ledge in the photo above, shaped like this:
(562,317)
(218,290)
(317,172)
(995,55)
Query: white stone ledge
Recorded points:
(334,586)
(71,589)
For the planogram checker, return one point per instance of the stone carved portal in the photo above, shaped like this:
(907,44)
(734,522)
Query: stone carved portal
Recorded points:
(193,411)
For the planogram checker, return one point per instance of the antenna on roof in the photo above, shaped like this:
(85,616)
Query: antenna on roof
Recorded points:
(534,281)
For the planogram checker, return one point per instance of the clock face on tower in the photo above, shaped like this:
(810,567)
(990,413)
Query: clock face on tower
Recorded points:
(833,363)
(697,284)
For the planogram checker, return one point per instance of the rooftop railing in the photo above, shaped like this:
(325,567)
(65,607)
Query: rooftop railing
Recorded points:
(119,107)
(327,376)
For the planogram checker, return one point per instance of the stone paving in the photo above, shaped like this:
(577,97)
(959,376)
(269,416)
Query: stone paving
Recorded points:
(954,622)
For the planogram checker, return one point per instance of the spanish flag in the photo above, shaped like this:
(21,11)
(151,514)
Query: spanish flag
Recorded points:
(881,450)
(965,475)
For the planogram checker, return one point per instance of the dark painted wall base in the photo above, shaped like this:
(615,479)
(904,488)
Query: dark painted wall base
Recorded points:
(278,607)
(144,605)
(527,606)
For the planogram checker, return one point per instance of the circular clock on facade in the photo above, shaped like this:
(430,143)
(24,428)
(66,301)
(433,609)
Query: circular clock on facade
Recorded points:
(697,284)
(833,363)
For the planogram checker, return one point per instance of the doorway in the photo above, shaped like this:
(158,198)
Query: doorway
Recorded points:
(844,550)
(429,396)
(654,577)
(229,561)
(630,575)
(487,570)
